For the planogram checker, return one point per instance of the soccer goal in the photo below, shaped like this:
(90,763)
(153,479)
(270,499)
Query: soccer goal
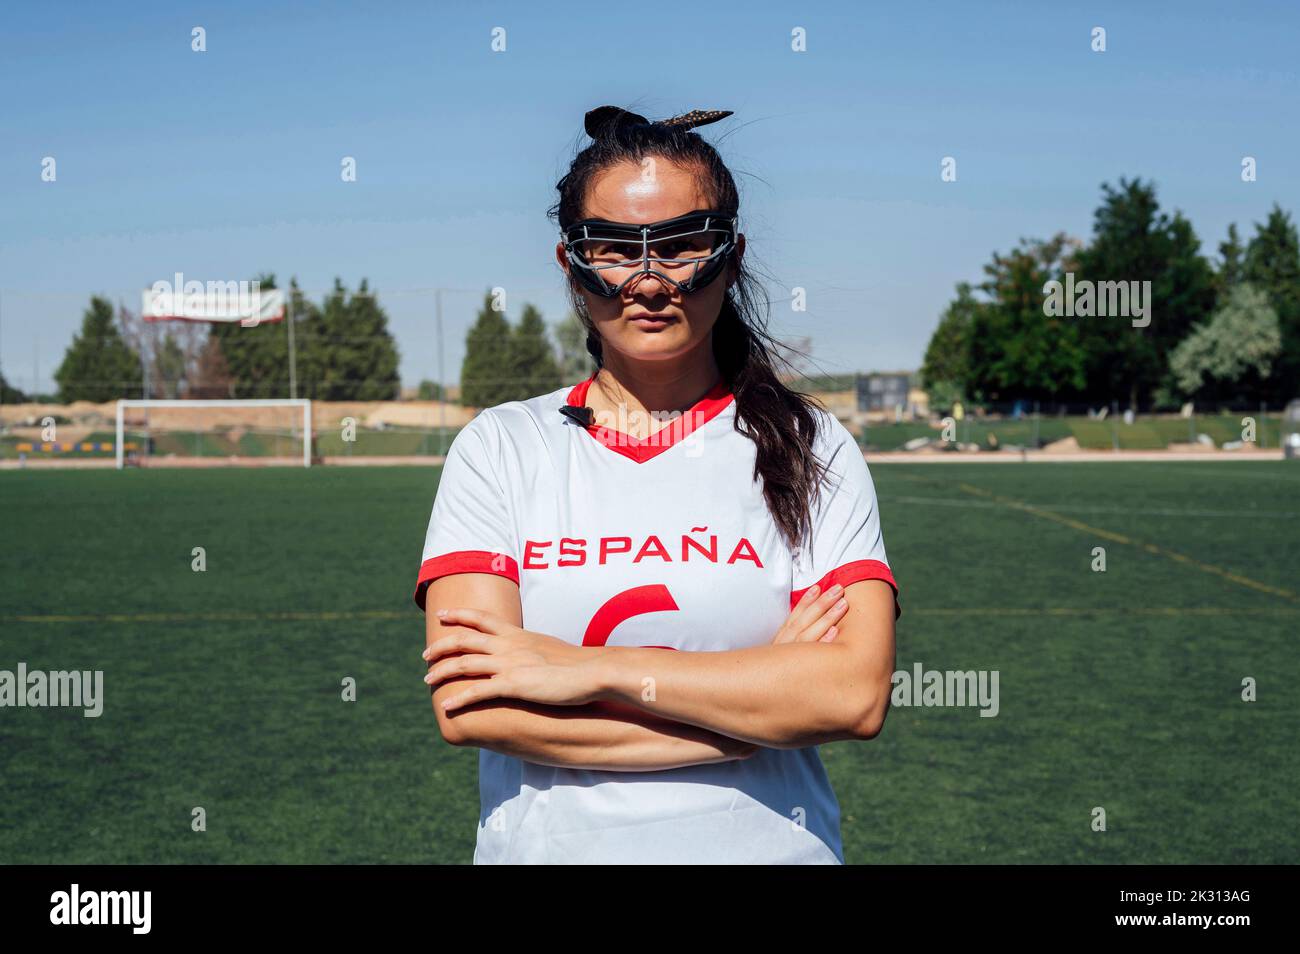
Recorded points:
(254,432)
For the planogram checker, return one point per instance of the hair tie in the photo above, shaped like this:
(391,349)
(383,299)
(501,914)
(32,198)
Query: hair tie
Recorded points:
(604,121)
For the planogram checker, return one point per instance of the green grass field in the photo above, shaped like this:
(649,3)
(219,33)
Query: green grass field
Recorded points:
(396,442)
(222,689)
(1146,433)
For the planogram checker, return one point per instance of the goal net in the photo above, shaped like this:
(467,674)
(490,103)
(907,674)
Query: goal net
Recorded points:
(249,433)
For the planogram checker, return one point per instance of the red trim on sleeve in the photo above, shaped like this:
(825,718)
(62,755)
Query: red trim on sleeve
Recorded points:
(464,561)
(853,572)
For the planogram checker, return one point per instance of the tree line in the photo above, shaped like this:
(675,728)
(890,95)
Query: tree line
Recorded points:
(513,363)
(343,352)
(1225,331)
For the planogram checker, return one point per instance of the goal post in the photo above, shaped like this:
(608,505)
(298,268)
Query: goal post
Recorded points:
(124,405)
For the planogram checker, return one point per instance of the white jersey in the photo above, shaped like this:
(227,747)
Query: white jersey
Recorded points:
(665,541)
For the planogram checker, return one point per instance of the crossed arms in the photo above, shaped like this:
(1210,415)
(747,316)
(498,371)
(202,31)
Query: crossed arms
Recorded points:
(705,706)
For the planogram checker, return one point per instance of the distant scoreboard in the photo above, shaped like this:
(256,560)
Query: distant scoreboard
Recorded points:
(882,392)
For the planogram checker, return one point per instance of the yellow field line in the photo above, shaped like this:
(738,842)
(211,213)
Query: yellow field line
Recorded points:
(1129,541)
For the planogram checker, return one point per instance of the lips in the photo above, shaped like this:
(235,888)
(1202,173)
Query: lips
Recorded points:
(653,320)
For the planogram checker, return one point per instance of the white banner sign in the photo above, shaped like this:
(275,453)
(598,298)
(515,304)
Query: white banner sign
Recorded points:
(245,302)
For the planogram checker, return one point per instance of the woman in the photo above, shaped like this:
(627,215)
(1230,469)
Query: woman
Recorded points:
(706,594)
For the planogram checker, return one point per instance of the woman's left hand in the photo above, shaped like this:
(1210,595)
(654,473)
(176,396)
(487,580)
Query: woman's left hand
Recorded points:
(521,664)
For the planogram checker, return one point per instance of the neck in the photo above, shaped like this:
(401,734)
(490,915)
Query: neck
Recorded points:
(652,387)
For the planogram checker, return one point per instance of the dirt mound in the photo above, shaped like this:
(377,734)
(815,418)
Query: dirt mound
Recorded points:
(1066,445)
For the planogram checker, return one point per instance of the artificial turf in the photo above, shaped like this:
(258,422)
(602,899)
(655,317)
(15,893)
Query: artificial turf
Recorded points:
(1119,690)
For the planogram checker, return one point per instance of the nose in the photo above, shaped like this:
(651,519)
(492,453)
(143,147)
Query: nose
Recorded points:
(634,286)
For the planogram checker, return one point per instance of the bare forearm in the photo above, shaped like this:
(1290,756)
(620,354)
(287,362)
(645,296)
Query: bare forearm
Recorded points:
(600,735)
(781,696)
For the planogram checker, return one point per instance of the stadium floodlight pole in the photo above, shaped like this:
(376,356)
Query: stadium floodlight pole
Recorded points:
(293,374)
(304,403)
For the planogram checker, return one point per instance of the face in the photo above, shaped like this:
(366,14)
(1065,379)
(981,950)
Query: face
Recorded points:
(642,194)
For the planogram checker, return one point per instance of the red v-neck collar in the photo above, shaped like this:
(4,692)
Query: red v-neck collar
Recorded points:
(714,401)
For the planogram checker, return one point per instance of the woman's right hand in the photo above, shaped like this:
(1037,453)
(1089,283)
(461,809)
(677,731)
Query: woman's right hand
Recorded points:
(814,617)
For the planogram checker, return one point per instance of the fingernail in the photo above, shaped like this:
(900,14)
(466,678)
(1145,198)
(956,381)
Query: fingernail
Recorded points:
(837,589)
(841,604)
(814,589)
(441,612)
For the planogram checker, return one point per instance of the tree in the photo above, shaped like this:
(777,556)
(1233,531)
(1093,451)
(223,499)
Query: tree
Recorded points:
(431,391)
(1273,266)
(1229,272)
(1017,350)
(10,394)
(256,356)
(532,366)
(345,351)
(349,351)
(576,362)
(211,379)
(98,366)
(484,372)
(946,370)
(1231,355)
(1134,241)
(169,367)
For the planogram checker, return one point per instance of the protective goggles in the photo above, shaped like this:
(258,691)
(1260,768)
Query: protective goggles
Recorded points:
(690,251)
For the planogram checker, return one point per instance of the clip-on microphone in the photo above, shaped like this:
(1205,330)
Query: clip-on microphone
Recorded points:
(584,416)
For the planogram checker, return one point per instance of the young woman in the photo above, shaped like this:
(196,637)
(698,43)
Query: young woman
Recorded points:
(650,596)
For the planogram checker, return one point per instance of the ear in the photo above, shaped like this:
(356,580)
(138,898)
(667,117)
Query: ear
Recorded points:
(737,255)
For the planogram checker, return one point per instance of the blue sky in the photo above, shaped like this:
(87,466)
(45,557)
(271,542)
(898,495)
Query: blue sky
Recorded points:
(226,163)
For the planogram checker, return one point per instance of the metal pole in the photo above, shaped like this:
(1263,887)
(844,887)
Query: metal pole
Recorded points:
(442,378)
(120,448)
(293,371)
(144,372)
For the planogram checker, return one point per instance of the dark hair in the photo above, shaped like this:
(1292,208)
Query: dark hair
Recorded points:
(781,422)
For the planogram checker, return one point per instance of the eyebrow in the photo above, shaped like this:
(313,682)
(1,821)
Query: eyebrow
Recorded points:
(641,225)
